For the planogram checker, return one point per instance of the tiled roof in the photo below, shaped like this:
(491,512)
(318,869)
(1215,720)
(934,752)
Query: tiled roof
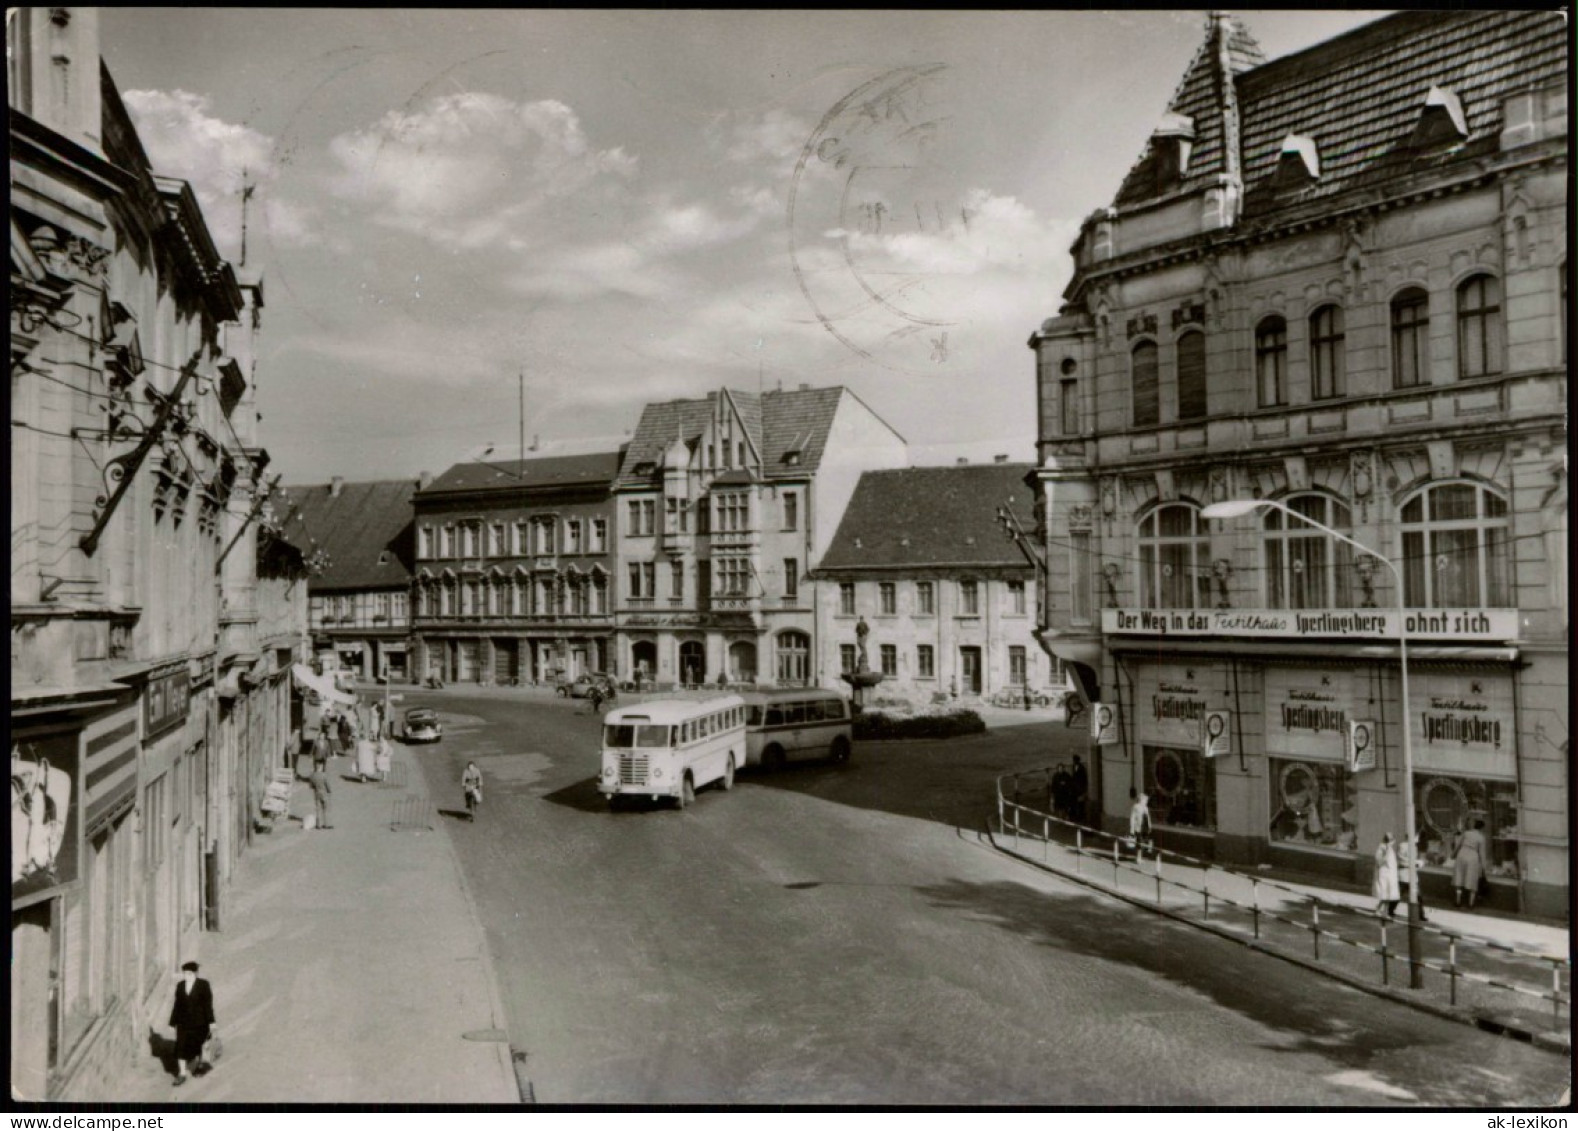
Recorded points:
(777,422)
(1198,97)
(519,475)
(1359,96)
(366,529)
(932,516)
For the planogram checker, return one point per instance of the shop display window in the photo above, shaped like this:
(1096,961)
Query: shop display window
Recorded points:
(1181,784)
(1444,806)
(1313,803)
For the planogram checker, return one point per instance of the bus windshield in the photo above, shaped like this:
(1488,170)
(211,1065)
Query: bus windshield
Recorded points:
(624,736)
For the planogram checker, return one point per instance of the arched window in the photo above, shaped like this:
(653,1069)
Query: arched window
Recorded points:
(1271,361)
(1410,338)
(794,659)
(1175,558)
(1327,346)
(1455,548)
(1479,326)
(1146,386)
(1306,568)
(1191,376)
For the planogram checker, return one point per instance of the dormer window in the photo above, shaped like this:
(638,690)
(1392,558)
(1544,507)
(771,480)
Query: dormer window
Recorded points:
(646,467)
(1441,120)
(792,457)
(1171,144)
(1299,164)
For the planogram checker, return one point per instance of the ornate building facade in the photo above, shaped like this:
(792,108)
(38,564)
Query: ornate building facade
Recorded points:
(152,628)
(1332,289)
(724,504)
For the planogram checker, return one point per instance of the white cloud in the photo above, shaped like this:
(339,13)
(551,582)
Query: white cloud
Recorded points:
(474,168)
(184,140)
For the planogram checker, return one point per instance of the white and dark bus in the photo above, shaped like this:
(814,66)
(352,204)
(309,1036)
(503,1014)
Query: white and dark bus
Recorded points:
(672,747)
(797,724)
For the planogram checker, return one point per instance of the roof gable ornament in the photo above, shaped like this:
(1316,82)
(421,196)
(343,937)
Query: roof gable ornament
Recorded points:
(1441,120)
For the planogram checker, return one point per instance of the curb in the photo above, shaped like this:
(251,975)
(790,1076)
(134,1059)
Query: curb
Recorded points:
(1547,1040)
(511,1063)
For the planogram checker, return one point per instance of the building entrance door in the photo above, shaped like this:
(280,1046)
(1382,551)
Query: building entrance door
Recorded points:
(693,662)
(970,670)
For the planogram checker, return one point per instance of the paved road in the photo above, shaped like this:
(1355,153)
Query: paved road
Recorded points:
(827,936)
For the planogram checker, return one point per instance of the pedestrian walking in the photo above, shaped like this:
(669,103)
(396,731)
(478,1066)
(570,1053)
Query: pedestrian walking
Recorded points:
(320,794)
(471,782)
(192,1018)
(347,733)
(1405,876)
(1468,865)
(1080,789)
(594,697)
(1384,888)
(385,754)
(1139,821)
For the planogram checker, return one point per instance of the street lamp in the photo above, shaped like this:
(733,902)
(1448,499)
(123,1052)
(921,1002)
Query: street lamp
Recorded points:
(1236,508)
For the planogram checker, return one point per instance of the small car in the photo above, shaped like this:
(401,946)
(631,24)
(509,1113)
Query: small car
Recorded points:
(581,686)
(421,725)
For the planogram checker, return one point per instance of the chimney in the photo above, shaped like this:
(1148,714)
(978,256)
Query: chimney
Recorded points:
(336,485)
(805,387)
(1000,458)
(423,478)
(962,461)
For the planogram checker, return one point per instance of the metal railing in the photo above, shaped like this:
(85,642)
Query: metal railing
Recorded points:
(1095,849)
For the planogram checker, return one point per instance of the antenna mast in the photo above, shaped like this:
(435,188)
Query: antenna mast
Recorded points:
(246,195)
(522,376)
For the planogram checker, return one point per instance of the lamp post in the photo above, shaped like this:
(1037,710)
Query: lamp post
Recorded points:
(1235,508)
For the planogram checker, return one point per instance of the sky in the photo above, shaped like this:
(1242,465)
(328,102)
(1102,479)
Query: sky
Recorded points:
(605,208)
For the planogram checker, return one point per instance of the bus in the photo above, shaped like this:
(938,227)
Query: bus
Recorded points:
(672,747)
(796,724)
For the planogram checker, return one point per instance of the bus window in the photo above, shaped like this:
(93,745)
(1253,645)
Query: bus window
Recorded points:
(652,736)
(814,711)
(775,716)
(754,717)
(619,736)
(835,708)
(794,714)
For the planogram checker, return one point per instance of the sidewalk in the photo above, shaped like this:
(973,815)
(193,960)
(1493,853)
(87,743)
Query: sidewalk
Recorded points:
(350,966)
(1486,948)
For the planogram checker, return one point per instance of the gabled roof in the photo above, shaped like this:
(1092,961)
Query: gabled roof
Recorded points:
(777,422)
(924,517)
(366,530)
(1357,97)
(523,475)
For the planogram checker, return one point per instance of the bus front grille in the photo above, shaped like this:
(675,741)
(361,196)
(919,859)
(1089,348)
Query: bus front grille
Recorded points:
(632,769)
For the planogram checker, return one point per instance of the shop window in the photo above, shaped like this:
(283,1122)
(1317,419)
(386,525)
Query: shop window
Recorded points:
(925,662)
(1307,568)
(1410,333)
(1314,803)
(1191,376)
(1446,806)
(1271,361)
(1479,327)
(1146,385)
(1328,377)
(925,599)
(1455,548)
(890,659)
(1181,784)
(887,598)
(1175,557)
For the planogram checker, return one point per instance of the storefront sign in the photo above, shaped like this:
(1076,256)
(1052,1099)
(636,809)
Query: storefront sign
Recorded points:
(1103,724)
(165,699)
(45,813)
(688,620)
(1214,741)
(1170,705)
(1462,723)
(1469,626)
(1308,709)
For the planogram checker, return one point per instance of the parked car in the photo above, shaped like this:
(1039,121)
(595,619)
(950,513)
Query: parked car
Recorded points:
(581,686)
(421,725)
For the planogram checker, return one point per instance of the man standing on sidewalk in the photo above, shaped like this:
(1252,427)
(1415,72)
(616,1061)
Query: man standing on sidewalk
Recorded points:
(320,793)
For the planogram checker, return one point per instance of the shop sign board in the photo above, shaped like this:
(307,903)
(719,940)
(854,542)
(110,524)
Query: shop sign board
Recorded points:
(1170,707)
(1213,740)
(46,820)
(1308,709)
(1103,724)
(1462,723)
(1462,626)
(1359,745)
(165,698)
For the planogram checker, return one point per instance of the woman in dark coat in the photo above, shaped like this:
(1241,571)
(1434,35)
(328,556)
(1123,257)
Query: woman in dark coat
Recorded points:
(192,1017)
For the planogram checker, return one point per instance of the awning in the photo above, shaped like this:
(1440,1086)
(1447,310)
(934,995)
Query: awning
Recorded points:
(321,684)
